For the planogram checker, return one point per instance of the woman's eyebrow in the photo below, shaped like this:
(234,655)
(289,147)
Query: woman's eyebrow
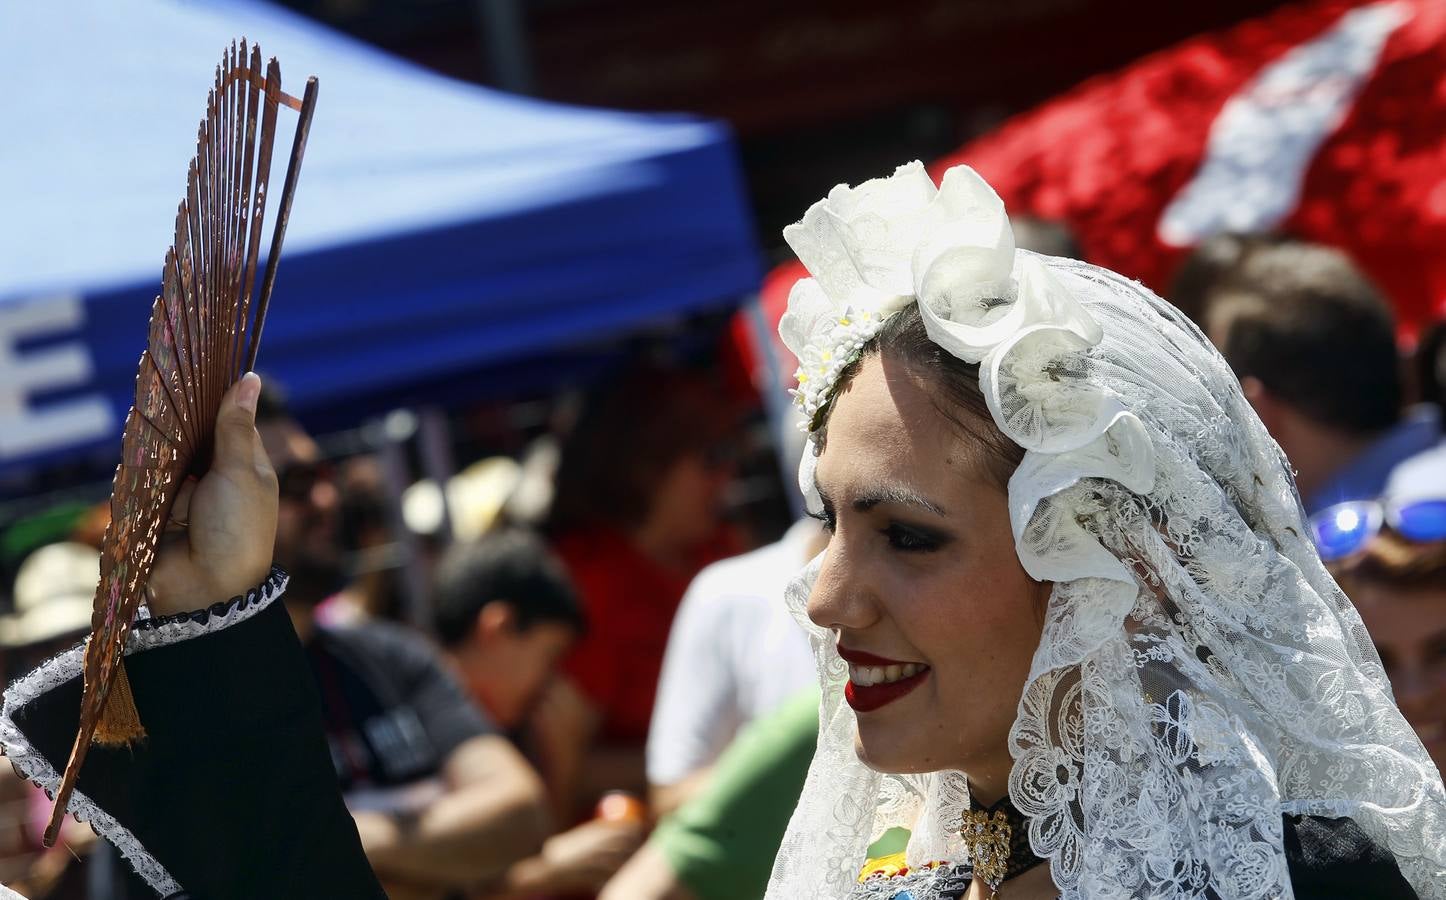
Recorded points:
(897,494)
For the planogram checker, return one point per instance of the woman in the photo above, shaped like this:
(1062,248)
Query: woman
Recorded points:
(1070,607)
(1067,561)
(637,511)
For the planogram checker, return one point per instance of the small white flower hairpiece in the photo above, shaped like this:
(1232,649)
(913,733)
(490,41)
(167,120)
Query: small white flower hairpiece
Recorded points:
(874,249)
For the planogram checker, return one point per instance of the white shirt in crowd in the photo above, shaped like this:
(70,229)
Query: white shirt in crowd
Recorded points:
(734,653)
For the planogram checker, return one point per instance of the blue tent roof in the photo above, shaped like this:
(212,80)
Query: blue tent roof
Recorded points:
(439,227)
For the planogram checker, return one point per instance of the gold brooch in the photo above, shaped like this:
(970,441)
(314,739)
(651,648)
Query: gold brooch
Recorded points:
(987,837)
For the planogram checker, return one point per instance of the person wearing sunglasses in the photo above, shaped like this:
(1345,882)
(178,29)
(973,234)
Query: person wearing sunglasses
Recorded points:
(1412,505)
(1399,587)
(1344,529)
(1389,556)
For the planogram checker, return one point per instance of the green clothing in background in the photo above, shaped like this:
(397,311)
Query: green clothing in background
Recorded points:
(721,843)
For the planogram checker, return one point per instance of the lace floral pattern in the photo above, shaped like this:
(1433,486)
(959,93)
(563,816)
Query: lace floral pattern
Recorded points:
(942,883)
(146,634)
(1199,672)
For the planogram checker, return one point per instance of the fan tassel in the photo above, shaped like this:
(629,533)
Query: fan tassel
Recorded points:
(120,724)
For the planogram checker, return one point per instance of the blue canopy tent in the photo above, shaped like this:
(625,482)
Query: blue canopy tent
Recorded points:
(440,228)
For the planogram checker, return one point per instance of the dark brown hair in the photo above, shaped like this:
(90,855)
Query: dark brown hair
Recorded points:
(512,566)
(630,432)
(1304,320)
(957,396)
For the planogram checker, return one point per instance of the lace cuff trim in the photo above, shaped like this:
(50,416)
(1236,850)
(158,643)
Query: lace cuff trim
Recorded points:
(146,634)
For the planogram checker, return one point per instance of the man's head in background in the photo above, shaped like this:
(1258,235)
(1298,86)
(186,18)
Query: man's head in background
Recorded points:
(1208,266)
(1314,345)
(308,541)
(506,613)
(1399,588)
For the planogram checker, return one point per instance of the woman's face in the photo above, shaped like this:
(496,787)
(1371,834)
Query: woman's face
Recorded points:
(1409,629)
(921,583)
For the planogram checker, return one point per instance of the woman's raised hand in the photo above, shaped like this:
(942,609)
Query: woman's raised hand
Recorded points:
(219,542)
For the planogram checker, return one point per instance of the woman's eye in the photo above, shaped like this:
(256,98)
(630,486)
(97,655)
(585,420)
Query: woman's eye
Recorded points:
(912,540)
(825,517)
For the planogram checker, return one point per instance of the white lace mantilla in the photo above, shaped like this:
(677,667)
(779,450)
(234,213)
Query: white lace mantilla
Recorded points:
(942,883)
(1199,673)
(147,634)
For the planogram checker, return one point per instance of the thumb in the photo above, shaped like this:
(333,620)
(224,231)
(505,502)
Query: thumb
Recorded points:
(238,446)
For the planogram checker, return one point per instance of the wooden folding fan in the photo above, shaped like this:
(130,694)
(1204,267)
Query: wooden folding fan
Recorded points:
(205,328)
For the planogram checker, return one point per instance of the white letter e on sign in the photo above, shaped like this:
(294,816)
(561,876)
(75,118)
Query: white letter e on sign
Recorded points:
(25,430)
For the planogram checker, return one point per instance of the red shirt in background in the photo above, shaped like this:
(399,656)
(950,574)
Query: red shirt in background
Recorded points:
(630,601)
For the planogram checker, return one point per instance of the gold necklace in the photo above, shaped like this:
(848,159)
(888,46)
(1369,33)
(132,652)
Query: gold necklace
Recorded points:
(997,840)
(986,835)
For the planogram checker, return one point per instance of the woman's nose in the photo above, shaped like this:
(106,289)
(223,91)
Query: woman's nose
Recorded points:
(841,597)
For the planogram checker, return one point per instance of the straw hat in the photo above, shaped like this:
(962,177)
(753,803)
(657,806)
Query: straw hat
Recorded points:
(54,592)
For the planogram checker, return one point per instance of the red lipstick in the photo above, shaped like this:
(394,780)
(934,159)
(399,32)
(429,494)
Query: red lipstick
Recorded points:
(867,698)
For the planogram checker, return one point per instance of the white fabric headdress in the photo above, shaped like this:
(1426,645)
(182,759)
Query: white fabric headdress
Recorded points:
(1199,674)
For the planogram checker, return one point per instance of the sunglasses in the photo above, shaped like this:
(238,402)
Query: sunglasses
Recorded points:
(1344,528)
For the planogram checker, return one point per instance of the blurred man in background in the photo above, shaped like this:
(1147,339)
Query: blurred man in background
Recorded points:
(1397,581)
(441,800)
(1314,345)
(1207,266)
(507,614)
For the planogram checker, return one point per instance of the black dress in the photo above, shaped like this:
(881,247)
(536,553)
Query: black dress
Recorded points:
(234,794)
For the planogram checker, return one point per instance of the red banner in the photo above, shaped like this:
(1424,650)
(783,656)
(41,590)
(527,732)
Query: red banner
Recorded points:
(1326,121)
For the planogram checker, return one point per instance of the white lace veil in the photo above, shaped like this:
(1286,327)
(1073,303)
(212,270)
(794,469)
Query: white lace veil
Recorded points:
(1199,674)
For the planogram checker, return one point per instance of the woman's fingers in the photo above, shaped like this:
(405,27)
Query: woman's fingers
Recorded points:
(238,447)
(181,508)
(240,490)
(233,525)
(223,526)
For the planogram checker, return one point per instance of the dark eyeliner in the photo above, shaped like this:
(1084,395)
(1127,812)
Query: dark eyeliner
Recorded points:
(913,539)
(826,516)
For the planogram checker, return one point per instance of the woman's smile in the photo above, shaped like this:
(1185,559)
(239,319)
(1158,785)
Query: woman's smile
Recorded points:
(877,681)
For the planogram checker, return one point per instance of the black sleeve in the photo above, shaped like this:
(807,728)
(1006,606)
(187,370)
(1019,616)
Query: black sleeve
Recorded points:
(1335,858)
(232,793)
(423,683)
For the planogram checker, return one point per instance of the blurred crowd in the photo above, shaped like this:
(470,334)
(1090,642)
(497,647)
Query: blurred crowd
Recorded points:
(608,697)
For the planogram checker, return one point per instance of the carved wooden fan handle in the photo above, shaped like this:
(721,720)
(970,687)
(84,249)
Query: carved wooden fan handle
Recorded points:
(283,215)
(259,81)
(199,328)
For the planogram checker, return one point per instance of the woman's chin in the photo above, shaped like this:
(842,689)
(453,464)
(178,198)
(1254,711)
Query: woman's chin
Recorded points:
(892,753)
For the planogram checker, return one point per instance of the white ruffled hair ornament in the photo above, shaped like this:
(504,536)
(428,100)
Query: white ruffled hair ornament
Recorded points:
(1199,673)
